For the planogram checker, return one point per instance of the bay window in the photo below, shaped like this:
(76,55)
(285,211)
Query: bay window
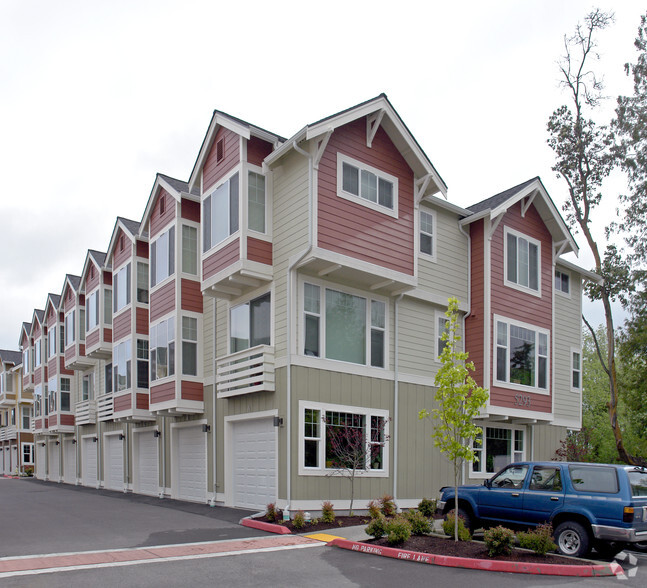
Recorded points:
(220,213)
(88,387)
(522,260)
(162,257)
(65,394)
(25,362)
(501,447)
(121,288)
(142,282)
(51,342)
(92,311)
(250,324)
(37,353)
(256,202)
(189,250)
(38,398)
(121,362)
(142,363)
(69,328)
(366,185)
(52,386)
(162,349)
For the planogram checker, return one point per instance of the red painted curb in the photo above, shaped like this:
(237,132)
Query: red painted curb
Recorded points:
(269,527)
(587,571)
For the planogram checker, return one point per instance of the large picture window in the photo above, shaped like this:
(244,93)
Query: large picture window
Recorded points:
(121,361)
(69,328)
(162,349)
(522,261)
(163,257)
(121,288)
(521,355)
(501,447)
(250,324)
(220,213)
(92,311)
(366,185)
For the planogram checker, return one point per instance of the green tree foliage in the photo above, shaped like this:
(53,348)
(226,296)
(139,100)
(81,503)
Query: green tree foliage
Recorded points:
(459,400)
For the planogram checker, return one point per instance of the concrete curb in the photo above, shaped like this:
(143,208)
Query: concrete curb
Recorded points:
(584,571)
(262,526)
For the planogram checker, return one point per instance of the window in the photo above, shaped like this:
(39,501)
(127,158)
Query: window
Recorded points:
(189,346)
(427,232)
(88,387)
(26,418)
(51,342)
(590,478)
(107,306)
(38,395)
(189,250)
(27,453)
(6,382)
(61,338)
(142,282)
(576,370)
(366,185)
(250,324)
(546,479)
(562,282)
(163,257)
(256,202)
(442,324)
(12,420)
(65,394)
(69,328)
(521,355)
(522,262)
(220,213)
(121,360)
(52,385)
(82,324)
(25,361)
(121,288)
(162,349)
(92,311)
(142,363)
(338,436)
(37,354)
(501,447)
(354,328)
(220,150)
(108,379)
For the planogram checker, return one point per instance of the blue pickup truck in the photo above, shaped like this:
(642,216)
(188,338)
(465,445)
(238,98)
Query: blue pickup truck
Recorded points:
(597,506)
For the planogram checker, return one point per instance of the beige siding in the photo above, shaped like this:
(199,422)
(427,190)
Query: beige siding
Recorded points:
(417,336)
(547,439)
(208,328)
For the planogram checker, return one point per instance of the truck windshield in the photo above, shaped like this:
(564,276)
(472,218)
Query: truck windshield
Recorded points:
(638,481)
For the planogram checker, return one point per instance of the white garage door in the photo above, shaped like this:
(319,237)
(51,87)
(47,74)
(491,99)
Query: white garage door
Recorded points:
(14,458)
(54,462)
(41,461)
(191,465)
(113,462)
(89,462)
(254,463)
(145,463)
(3,469)
(69,462)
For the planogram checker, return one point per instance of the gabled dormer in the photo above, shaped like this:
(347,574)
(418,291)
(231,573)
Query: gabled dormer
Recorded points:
(96,286)
(236,249)
(73,309)
(27,348)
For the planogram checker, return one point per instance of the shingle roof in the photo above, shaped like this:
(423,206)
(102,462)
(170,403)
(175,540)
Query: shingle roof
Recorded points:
(494,201)
(40,315)
(26,326)
(179,185)
(98,256)
(8,356)
(74,280)
(56,299)
(131,225)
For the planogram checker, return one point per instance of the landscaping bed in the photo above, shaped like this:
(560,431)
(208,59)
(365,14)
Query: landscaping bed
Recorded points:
(320,526)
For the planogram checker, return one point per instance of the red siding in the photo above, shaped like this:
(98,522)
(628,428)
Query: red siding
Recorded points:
(38,423)
(37,376)
(163,300)
(141,320)
(123,402)
(352,229)
(141,401)
(92,339)
(474,325)
(191,295)
(142,249)
(107,335)
(159,220)
(192,391)
(51,367)
(259,250)
(52,420)
(212,171)
(162,392)
(121,256)
(258,150)
(69,298)
(107,278)
(67,419)
(92,282)
(61,367)
(70,352)
(221,259)
(37,331)
(190,210)
(81,349)
(121,325)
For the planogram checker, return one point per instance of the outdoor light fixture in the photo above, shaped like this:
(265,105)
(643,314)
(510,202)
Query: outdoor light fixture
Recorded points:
(95,439)
(206,428)
(58,443)
(157,434)
(42,444)
(278,421)
(73,441)
(121,437)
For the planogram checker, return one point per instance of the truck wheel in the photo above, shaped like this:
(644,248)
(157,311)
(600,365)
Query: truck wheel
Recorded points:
(467,518)
(572,539)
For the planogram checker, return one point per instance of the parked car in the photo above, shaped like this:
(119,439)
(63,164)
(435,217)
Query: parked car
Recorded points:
(599,506)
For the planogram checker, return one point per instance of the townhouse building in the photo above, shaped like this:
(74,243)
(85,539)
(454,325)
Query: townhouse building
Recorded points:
(294,286)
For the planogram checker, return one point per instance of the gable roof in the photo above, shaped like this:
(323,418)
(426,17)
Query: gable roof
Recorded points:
(73,281)
(54,300)
(178,189)
(129,227)
(25,329)
(37,317)
(93,256)
(8,356)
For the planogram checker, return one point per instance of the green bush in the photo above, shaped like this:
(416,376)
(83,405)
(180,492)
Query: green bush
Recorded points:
(327,512)
(299,520)
(377,527)
(427,506)
(398,530)
(448,528)
(418,521)
(271,512)
(498,541)
(539,540)
(387,506)
(374,509)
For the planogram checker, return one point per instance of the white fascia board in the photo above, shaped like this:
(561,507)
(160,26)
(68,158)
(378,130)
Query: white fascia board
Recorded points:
(284,148)
(159,183)
(487,213)
(592,276)
(441,203)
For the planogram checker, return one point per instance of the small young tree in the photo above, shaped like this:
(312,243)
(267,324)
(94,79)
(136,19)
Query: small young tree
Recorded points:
(349,451)
(459,401)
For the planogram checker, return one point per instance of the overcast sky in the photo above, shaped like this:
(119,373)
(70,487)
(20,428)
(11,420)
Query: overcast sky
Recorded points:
(97,97)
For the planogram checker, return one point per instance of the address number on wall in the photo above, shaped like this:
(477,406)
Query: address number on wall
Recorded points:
(522,400)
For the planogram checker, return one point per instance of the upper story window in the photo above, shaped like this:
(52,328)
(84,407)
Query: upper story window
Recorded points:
(220,213)
(256,202)
(38,358)
(121,361)
(87,392)
(189,346)
(121,288)
(576,370)
(162,349)
(344,327)
(367,185)
(427,233)
(163,257)
(69,328)
(249,324)
(25,362)
(522,257)
(189,250)
(92,310)
(26,418)
(51,342)
(6,382)
(521,355)
(562,282)
(142,363)
(142,282)
(442,324)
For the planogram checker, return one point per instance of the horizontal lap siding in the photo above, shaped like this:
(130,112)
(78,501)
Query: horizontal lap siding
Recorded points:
(61,367)
(475,324)
(107,278)
(67,419)
(162,301)
(212,171)
(208,335)
(122,402)
(416,338)
(190,210)
(141,320)
(70,352)
(258,150)
(259,250)
(163,392)
(122,255)
(121,325)
(92,281)
(107,335)
(355,230)
(220,259)
(191,295)
(92,339)
(142,249)
(52,368)
(37,376)
(52,420)
(160,220)
(70,298)
(192,391)
(141,401)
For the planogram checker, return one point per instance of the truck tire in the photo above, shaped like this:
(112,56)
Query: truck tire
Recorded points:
(465,515)
(572,539)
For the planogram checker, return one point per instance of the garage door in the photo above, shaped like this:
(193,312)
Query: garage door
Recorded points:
(69,462)
(113,462)
(3,469)
(14,458)
(89,462)
(41,461)
(191,466)
(145,463)
(54,462)
(254,463)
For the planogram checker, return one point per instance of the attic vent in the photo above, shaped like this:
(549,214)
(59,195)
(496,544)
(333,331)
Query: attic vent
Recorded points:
(220,150)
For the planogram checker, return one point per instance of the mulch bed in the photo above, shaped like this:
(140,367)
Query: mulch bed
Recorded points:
(340,521)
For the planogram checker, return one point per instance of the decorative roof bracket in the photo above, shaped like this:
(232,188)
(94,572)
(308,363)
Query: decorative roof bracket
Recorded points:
(494,223)
(526,202)
(420,187)
(373,122)
(321,147)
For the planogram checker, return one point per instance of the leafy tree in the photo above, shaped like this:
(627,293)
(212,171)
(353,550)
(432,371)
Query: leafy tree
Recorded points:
(459,402)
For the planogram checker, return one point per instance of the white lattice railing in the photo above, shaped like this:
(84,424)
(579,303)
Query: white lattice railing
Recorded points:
(105,407)
(86,412)
(243,372)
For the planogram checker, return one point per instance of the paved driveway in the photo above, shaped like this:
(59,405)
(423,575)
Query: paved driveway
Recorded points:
(43,517)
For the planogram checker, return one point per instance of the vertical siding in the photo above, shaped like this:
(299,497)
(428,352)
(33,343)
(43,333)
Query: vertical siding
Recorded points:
(213,171)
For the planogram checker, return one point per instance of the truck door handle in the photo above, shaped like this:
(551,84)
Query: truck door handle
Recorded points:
(554,498)
(515,494)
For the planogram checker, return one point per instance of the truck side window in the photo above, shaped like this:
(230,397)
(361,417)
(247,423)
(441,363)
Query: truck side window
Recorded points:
(546,478)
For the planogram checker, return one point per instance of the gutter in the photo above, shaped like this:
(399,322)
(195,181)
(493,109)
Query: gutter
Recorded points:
(396,397)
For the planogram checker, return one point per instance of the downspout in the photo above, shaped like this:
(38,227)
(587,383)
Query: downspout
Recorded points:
(127,440)
(396,396)
(215,399)
(461,228)
(162,441)
(290,274)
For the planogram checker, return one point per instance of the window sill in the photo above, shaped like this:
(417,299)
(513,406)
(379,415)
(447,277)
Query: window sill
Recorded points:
(521,388)
(536,293)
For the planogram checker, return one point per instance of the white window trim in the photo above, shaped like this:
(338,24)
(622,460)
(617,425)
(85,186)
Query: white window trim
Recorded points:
(528,290)
(22,454)
(88,328)
(115,273)
(322,323)
(519,387)
(434,240)
(241,170)
(246,300)
(570,278)
(157,381)
(178,339)
(170,277)
(341,159)
(484,474)
(573,388)
(268,229)
(323,408)
(438,315)
(72,331)
(198,256)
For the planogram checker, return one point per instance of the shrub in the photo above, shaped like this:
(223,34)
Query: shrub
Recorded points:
(448,528)
(398,530)
(427,506)
(418,521)
(377,527)
(498,541)
(540,540)
(387,506)
(374,509)
(271,512)
(327,512)
(299,520)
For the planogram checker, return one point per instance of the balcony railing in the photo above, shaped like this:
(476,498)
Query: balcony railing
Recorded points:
(247,371)
(86,412)
(8,433)
(105,407)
